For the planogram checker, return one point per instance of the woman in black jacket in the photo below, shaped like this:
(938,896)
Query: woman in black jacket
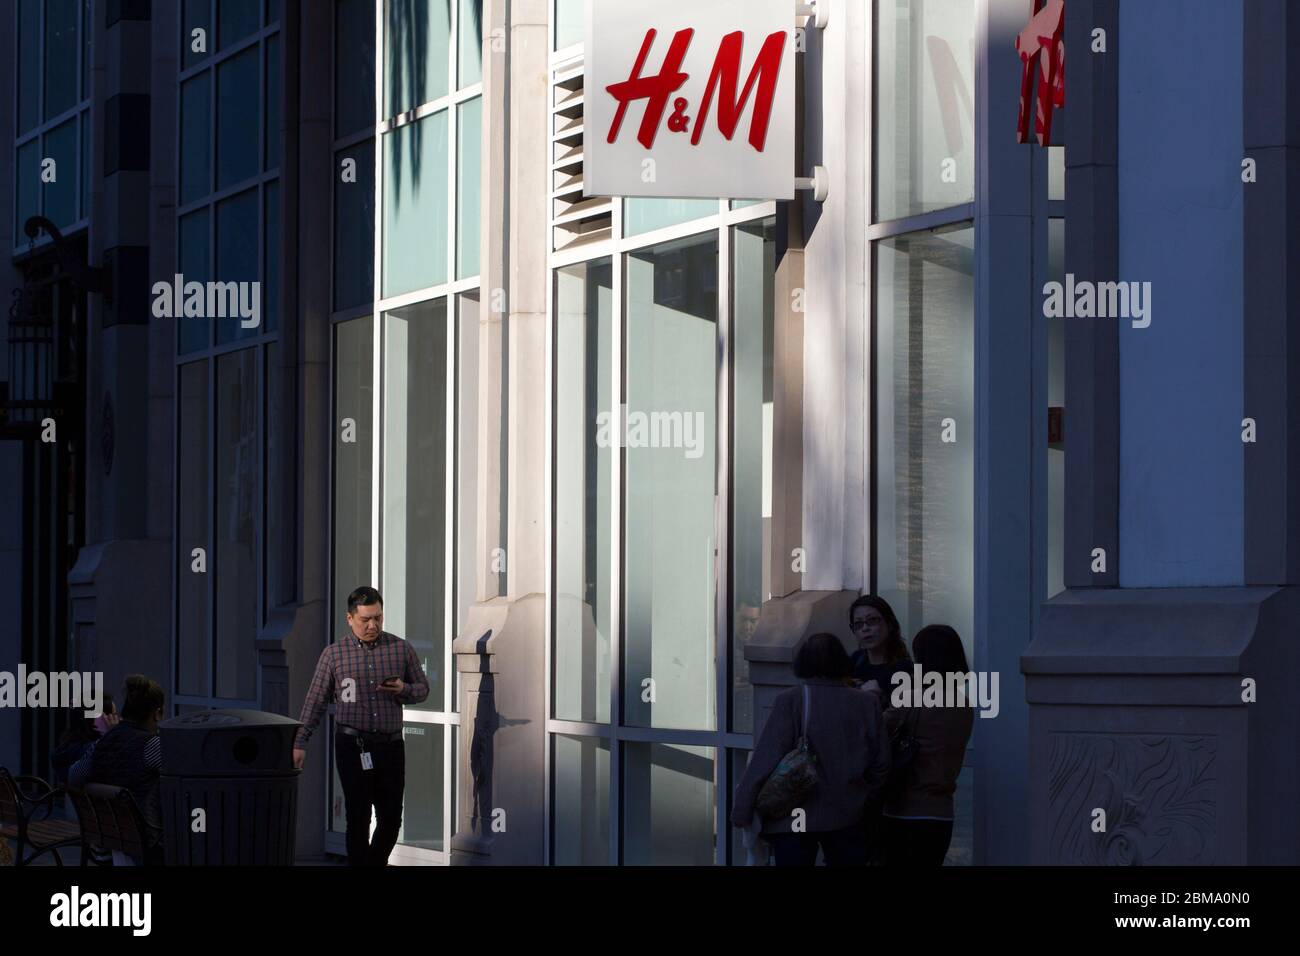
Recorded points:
(881,652)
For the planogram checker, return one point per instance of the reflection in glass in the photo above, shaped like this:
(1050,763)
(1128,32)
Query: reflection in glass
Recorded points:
(670,543)
(469,174)
(581,835)
(422,802)
(570,23)
(237,124)
(415,485)
(417,47)
(354,374)
(753,274)
(192,659)
(415,205)
(584,389)
(925,127)
(354,228)
(237,476)
(470,48)
(645,215)
(354,66)
(668,813)
(925,346)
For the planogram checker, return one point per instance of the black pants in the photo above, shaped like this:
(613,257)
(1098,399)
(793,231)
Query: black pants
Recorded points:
(847,847)
(916,842)
(381,787)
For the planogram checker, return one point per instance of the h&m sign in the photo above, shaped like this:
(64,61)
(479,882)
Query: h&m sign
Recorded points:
(688,98)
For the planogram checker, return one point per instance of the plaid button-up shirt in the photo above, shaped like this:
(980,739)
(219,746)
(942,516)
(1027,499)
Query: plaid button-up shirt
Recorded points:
(363,706)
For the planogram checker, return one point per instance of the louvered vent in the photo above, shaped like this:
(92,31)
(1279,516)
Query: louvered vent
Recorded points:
(575,221)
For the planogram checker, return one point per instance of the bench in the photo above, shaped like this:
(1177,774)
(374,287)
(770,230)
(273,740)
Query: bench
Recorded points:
(22,798)
(111,820)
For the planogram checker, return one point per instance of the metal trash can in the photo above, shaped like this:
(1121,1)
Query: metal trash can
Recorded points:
(236,767)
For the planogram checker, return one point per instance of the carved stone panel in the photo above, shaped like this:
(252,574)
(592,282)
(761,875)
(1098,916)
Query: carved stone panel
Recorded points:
(1157,791)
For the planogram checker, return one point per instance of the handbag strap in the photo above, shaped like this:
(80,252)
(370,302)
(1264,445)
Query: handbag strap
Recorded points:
(807,697)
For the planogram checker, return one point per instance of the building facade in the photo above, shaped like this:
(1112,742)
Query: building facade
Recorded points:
(454,349)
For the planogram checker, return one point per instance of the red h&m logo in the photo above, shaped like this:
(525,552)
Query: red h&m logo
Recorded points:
(724,79)
(1042,49)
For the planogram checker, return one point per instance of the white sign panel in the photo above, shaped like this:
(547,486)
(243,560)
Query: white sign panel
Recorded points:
(689,98)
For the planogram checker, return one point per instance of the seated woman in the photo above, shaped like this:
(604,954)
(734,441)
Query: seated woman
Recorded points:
(130,756)
(846,732)
(918,811)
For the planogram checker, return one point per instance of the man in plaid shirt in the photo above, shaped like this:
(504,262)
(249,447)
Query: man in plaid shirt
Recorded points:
(368,674)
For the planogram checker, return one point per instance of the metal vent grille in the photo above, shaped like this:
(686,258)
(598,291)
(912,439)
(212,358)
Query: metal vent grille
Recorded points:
(575,220)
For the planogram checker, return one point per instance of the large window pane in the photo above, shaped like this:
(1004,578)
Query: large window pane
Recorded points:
(470,50)
(61,194)
(354,70)
(29,54)
(354,228)
(417,46)
(645,215)
(237,251)
(925,347)
(237,19)
(354,375)
(62,52)
(415,485)
(925,85)
(570,22)
(423,798)
(237,477)
(468,176)
(584,390)
(668,812)
(29,187)
(415,205)
(196,134)
(195,244)
(581,835)
(670,525)
(193,501)
(197,16)
(237,124)
(273,102)
(753,274)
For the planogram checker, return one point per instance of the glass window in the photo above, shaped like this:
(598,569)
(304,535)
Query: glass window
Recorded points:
(61,193)
(196,135)
(753,274)
(645,215)
(470,50)
(925,347)
(925,84)
(237,477)
(193,501)
(237,19)
(584,386)
(198,16)
(670,525)
(195,243)
(29,187)
(668,812)
(415,205)
(415,498)
(354,228)
(354,376)
(570,22)
(237,252)
(581,801)
(272,11)
(271,262)
(237,125)
(417,47)
(469,174)
(467,444)
(273,102)
(29,75)
(354,71)
(61,56)
(423,798)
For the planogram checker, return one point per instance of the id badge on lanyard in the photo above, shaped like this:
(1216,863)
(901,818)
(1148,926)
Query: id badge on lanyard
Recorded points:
(366,762)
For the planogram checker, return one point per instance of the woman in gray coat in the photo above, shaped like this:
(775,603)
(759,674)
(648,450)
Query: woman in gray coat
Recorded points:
(847,734)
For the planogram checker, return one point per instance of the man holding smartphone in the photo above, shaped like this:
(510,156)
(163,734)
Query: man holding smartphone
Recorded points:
(368,674)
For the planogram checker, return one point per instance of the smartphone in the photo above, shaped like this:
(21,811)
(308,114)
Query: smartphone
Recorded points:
(391,680)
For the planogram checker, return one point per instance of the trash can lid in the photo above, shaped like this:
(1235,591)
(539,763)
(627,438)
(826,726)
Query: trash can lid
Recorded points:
(226,718)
